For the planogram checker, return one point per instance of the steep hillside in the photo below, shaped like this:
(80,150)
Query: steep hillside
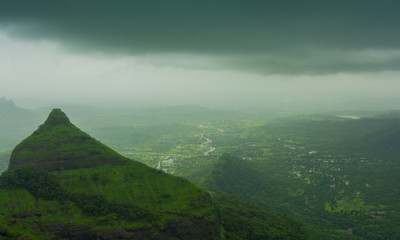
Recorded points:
(62,184)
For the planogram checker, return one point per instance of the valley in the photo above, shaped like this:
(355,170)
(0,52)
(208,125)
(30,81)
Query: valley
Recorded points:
(314,168)
(313,173)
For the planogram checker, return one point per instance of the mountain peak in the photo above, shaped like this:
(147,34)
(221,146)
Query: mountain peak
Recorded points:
(59,145)
(7,104)
(57,117)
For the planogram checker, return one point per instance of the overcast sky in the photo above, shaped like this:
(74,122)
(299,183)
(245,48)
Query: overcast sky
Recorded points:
(199,52)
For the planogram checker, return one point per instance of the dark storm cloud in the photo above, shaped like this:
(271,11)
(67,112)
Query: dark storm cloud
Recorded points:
(286,37)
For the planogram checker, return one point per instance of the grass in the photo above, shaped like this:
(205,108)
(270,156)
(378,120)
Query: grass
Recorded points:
(138,184)
(347,205)
(62,147)
(133,196)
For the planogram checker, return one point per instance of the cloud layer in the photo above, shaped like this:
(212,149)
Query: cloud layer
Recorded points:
(266,37)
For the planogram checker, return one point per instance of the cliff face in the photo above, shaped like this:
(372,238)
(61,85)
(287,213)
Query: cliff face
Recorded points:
(59,145)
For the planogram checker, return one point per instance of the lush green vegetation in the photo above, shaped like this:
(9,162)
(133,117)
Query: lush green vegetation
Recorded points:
(231,179)
(38,184)
(243,220)
(339,171)
(309,173)
(131,197)
(126,201)
(315,168)
(59,145)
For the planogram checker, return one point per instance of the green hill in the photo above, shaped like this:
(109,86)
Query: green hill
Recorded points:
(63,184)
(230,181)
(59,145)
